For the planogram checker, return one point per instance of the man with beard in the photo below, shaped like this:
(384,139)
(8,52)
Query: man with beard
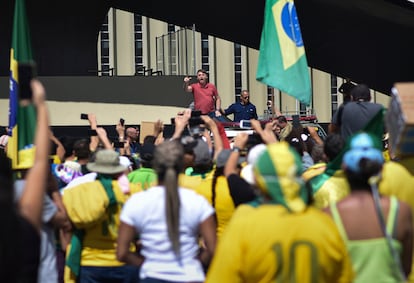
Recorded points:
(206,97)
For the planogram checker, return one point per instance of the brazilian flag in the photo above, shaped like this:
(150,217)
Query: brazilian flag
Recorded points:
(282,59)
(22,114)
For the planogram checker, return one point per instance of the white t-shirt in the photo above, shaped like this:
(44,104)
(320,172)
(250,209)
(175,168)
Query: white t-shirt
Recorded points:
(146,212)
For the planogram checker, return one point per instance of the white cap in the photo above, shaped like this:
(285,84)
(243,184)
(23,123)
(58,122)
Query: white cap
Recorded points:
(247,174)
(255,152)
(124,161)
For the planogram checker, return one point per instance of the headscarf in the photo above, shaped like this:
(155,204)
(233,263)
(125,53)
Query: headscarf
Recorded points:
(277,173)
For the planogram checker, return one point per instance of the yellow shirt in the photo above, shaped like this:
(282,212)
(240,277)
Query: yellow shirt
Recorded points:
(192,182)
(269,244)
(224,205)
(87,207)
(334,189)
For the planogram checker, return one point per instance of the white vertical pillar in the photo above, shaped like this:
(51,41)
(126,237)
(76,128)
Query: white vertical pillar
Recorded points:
(224,76)
(125,43)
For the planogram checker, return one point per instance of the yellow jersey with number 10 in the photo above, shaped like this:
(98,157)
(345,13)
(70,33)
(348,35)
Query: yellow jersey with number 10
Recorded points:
(270,244)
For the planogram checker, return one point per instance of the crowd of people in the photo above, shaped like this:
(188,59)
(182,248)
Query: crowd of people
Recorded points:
(281,205)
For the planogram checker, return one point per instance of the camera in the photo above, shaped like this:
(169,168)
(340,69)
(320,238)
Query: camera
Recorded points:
(196,124)
(195,118)
(118,144)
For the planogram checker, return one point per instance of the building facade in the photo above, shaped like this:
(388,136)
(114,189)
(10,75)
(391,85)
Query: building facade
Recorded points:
(132,44)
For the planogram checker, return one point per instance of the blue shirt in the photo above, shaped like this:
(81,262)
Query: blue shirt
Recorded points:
(241,111)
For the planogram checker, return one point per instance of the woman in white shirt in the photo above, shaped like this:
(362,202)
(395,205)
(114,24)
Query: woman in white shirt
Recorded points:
(168,230)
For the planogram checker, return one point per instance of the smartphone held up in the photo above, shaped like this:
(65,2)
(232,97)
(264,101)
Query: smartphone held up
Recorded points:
(245,124)
(26,72)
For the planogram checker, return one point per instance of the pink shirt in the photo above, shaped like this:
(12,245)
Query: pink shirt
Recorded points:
(204,97)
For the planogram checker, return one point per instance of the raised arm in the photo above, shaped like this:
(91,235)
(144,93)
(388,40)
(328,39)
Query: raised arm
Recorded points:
(256,126)
(103,137)
(212,126)
(314,135)
(93,145)
(158,132)
(120,129)
(60,149)
(181,122)
(187,86)
(31,202)
(239,143)
(275,111)
(268,136)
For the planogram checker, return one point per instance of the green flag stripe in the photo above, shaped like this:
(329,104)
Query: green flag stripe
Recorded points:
(375,126)
(282,62)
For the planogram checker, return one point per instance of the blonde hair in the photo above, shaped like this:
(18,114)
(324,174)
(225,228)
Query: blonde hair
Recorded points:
(168,163)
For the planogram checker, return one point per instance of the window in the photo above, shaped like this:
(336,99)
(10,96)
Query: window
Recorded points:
(237,71)
(205,62)
(105,66)
(172,49)
(334,94)
(138,42)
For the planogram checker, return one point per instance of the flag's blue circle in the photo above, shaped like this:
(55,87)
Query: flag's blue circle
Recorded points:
(290,24)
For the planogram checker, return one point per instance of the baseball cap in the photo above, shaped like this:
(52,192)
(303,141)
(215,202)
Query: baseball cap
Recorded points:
(362,146)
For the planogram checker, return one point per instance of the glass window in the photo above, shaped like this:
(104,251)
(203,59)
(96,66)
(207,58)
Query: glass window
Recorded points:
(334,94)
(237,71)
(138,41)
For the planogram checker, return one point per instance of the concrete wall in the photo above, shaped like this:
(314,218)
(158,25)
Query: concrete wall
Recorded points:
(135,98)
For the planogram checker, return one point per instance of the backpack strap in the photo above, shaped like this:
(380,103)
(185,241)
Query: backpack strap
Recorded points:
(338,221)
(106,182)
(393,216)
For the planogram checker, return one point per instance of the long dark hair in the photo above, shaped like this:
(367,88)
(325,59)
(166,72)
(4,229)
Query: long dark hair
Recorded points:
(168,163)
(359,180)
(219,171)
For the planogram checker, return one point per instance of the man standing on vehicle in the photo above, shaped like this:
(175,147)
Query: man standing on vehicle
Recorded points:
(358,112)
(206,97)
(242,110)
(345,89)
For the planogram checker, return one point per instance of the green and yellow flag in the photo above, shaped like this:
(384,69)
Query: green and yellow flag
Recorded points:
(332,184)
(282,59)
(22,118)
